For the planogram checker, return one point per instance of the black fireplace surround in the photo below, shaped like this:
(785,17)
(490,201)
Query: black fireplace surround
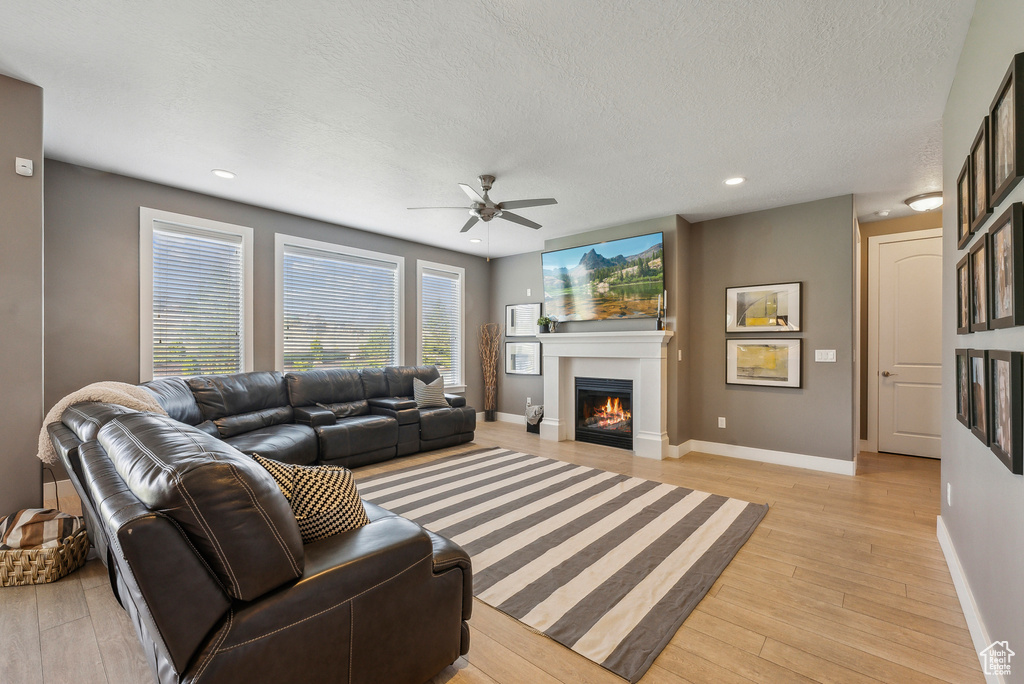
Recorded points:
(604,412)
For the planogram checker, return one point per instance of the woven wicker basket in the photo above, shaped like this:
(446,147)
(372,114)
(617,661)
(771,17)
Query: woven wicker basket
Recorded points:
(39,566)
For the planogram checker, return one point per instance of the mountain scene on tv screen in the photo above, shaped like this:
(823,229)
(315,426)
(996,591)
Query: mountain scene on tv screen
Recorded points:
(618,279)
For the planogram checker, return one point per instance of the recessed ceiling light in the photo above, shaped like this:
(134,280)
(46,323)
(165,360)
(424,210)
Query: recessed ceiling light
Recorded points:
(925,202)
(883,213)
(222,173)
(475,240)
(735,181)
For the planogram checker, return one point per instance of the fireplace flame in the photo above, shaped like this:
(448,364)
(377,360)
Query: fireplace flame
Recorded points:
(611,414)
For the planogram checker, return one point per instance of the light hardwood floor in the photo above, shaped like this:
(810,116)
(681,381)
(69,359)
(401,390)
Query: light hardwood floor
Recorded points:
(843,581)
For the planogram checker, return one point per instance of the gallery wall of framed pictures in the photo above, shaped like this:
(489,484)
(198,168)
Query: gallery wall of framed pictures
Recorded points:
(760,309)
(990,275)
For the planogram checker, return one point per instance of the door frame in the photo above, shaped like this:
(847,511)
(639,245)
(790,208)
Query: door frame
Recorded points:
(871,443)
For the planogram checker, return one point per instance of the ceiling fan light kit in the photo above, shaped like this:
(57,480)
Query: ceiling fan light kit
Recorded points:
(483,208)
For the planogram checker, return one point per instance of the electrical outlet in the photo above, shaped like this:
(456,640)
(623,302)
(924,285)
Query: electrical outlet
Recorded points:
(721,421)
(529,292)
(949,493)
(529,401)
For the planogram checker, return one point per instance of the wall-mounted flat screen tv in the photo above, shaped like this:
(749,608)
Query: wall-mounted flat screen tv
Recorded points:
(616,279)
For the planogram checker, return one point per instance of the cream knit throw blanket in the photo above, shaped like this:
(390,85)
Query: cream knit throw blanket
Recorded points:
(129,396)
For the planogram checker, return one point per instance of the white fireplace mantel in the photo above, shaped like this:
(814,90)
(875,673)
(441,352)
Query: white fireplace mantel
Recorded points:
(639,355)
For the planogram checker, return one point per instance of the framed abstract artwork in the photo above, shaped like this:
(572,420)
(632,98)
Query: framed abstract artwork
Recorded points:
(767,362)
(963,206)
(963,387)
(1004,381)
(521,320)
(1006,117)
(979,393)
(980,207)
(979,284)
(522,358)
(763,308)
(963,295)
(1006,269)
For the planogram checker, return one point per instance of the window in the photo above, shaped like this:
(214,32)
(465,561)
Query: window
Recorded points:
(337,307)
(440,320)
(195,296)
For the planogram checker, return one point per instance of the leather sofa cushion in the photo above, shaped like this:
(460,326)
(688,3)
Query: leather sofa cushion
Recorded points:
(229,507)
(400,378)
(353,436)
(175,396)
(86,419)
(324,386)
(348,408)
(374,382)
(444,422)
(229,426)
(232,395)
(290,443)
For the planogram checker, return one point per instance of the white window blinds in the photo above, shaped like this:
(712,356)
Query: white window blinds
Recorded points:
(197,301)
(441,320)
(338,310)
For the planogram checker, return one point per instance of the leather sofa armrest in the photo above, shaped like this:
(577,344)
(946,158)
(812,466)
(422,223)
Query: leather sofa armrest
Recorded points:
(314,416)
(392,403)
(448,555)
(455,400)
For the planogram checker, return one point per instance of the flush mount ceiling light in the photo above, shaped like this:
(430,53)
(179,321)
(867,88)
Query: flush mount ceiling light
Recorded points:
(222,173)
(475,240)
(925,202)
(883,213)
(735,181)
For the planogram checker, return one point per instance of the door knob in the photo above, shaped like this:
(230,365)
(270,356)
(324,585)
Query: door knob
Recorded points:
(886,374)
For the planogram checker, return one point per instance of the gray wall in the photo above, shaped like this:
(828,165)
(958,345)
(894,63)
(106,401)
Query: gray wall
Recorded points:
(511,277)
(21,295)
(986,518)
(811,243)
(92,274)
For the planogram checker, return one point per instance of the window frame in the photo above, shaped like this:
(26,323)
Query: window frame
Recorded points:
(460,272)
(147,220)
(283,240)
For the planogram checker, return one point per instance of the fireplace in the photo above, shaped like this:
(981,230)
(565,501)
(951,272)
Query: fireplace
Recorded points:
(604,412)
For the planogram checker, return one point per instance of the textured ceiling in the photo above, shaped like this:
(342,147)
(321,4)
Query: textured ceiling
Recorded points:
(623,111)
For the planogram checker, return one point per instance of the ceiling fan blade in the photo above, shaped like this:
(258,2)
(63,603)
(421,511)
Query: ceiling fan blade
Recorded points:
(516,218)
(523,204)
(473,194)
(469,224)
(462,208)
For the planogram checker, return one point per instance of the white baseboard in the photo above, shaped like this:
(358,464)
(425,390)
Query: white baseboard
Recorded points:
(827,465)
(979,635)
(63,489)
(517,418)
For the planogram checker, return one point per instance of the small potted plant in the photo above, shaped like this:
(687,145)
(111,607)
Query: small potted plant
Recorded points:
(544,322)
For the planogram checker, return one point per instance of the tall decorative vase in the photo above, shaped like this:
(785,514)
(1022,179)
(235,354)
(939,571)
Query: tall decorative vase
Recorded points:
(490,342)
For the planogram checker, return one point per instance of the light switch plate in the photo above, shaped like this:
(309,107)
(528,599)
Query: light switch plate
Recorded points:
(824,355)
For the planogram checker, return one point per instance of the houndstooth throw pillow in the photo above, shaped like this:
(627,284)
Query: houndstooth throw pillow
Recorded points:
(323,498)
(429,395)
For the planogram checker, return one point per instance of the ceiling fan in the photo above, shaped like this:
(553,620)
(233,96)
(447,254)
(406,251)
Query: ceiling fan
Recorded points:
(485,209)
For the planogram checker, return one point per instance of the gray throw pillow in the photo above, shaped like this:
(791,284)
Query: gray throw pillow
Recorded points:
(428,395)
(323,498)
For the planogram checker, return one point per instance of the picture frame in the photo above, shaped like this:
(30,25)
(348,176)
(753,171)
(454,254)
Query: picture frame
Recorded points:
(963,295)
(980,196)
(963,387)
(979,284)
(1006,269)
(774,307)
(1006,424)
(769,362)
(1006,117)
(963,205)
(521,319)
(522,358)
(979,393)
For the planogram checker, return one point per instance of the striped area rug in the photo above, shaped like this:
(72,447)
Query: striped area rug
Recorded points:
(606,564)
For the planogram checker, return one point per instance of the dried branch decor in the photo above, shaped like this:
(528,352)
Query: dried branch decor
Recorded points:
(490,338)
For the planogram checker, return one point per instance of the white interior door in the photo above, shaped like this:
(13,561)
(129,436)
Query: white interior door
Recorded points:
(909,343)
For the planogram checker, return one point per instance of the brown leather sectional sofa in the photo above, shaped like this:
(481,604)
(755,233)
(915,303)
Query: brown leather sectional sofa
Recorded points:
(203,551)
